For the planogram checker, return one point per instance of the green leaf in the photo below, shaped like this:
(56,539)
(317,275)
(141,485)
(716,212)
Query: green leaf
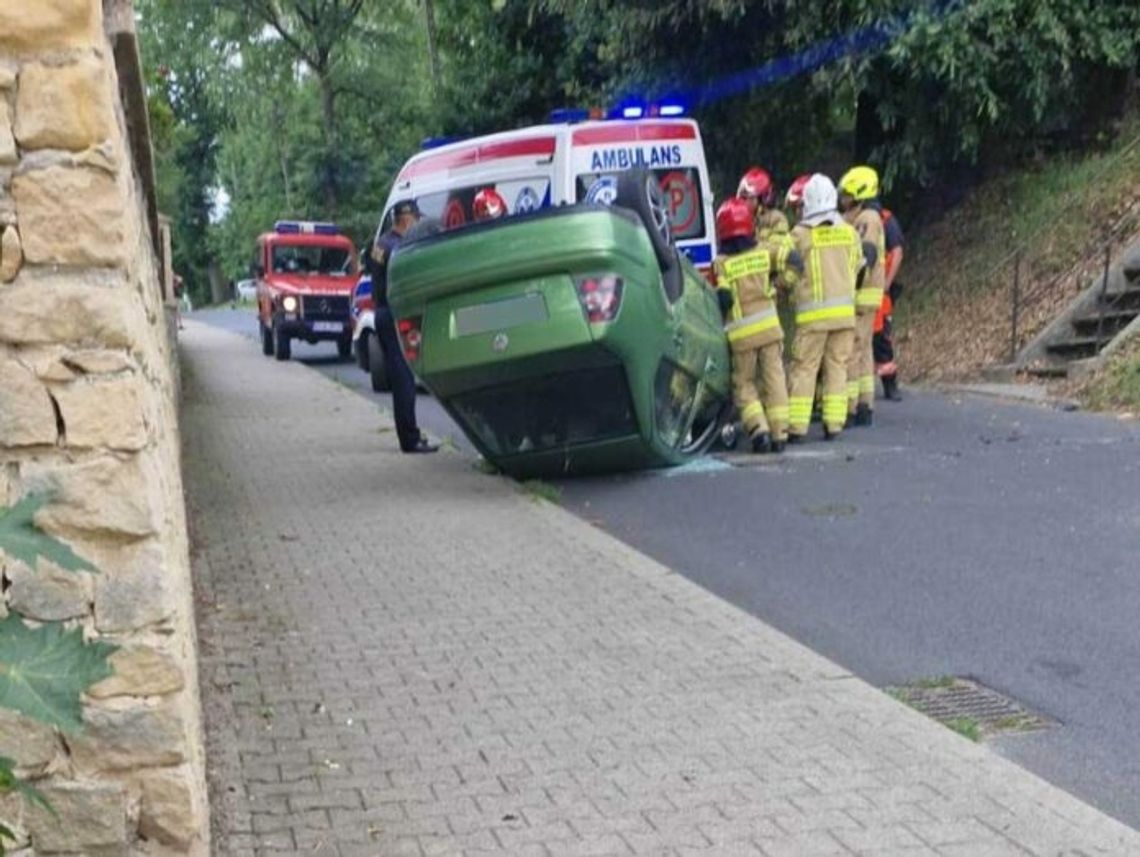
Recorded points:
(21,539)
(44,670)
(9,782)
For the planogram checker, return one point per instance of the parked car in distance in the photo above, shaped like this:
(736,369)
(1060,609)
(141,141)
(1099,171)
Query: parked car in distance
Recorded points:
(246,290)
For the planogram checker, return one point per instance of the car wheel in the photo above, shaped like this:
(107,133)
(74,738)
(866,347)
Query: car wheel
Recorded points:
(344,348)
(282,349)
(376,366)
(639,191)
(266,339)
(362,351)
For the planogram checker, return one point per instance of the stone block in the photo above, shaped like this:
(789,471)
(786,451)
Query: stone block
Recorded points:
(8,153)
(122,740)
(88,817)
(168,813)
(11,252)
(106,413)
(140,671)
(43,25)
(48,594)
(99,362)
(105,496)
(63,107)
(62,309)
(12,814)
(27,417)
(7,77)
(71,216)
(135,594)
(32,745)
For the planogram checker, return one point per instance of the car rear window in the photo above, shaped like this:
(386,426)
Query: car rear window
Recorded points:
(550,412)
(680,185)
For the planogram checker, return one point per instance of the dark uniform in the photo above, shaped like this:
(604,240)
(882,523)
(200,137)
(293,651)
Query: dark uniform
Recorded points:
(400,376)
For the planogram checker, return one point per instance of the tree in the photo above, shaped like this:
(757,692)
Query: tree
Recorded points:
(315,31)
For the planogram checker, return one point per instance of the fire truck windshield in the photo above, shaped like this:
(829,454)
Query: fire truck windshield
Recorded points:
(330,261)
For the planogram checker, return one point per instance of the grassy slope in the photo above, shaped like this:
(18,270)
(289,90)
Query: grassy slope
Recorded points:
(955,316)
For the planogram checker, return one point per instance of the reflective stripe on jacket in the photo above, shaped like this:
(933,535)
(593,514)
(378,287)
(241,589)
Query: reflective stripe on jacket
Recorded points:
(825,297)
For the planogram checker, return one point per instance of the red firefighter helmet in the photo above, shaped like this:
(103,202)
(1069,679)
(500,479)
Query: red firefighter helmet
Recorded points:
(734,220)
(795,195)
(758,183)
(488,204)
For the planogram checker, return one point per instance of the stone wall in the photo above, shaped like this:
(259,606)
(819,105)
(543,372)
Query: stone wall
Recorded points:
(88,411)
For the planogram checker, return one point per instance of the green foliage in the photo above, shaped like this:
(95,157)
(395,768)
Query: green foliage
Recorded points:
(44,670)
(21,539)
(9,782)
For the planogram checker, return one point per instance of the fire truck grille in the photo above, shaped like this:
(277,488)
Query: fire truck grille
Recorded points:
(325,307)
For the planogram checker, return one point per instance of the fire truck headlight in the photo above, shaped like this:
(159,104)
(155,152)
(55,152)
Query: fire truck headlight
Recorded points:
(289,303)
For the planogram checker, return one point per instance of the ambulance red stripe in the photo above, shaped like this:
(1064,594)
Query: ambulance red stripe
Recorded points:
(633,132)
(532,146)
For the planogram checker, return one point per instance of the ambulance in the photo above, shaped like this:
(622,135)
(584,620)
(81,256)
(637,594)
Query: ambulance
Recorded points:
(572,159)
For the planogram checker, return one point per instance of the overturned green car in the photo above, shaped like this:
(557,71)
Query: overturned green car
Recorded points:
(569,340)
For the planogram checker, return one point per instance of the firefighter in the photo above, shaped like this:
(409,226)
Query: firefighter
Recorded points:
(758,192)
(745,272)
(858,187)
(794,199)
(882,344)
(825,309)
(488,205)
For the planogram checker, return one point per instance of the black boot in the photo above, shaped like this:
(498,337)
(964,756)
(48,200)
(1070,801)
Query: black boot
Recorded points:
(863,415)
(778,446)
(891,388)
(761,442)
(828,434)
(795,438)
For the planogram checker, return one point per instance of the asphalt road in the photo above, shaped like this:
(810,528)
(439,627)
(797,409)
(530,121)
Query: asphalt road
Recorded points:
(962,535)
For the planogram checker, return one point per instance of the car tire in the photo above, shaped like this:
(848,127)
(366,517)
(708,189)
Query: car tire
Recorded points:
(377,369)
(639,191)
(363,350)
(282,348)
(266,339)
(344,348)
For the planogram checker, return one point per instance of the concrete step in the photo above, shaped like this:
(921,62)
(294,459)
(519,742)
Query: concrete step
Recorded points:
(1077,348)
(1111,323)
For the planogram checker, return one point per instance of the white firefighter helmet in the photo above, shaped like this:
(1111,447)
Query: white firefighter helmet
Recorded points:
(820,200)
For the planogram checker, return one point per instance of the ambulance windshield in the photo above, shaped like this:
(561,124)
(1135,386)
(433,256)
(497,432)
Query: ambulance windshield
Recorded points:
(681,187)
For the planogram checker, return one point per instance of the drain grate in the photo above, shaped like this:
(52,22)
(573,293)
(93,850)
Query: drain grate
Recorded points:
(969,707)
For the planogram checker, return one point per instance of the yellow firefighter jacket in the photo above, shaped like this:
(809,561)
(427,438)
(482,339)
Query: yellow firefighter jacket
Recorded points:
(752,321)
(832,256)
(869,224)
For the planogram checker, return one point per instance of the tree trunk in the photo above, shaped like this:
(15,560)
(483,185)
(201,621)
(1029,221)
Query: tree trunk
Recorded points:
(328,115)
(433,50)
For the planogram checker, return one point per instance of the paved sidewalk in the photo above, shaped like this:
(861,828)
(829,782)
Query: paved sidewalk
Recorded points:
(401,655)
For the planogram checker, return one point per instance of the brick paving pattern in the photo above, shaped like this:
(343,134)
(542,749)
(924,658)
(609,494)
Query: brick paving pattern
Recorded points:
(403,656)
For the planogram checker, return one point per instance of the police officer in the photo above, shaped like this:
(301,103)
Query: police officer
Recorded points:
(745,270)
(825,309)
(405,213)
(859,187)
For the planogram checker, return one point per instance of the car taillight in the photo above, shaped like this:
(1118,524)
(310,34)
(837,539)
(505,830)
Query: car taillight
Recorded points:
(600,296)
(410,336)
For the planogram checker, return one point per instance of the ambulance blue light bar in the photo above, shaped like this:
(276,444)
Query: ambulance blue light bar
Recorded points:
(436,142)
(632,109)
(304,227)
(671,110)
(569,115)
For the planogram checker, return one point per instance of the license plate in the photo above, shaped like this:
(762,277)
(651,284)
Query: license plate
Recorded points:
(500,315)
(328,326)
